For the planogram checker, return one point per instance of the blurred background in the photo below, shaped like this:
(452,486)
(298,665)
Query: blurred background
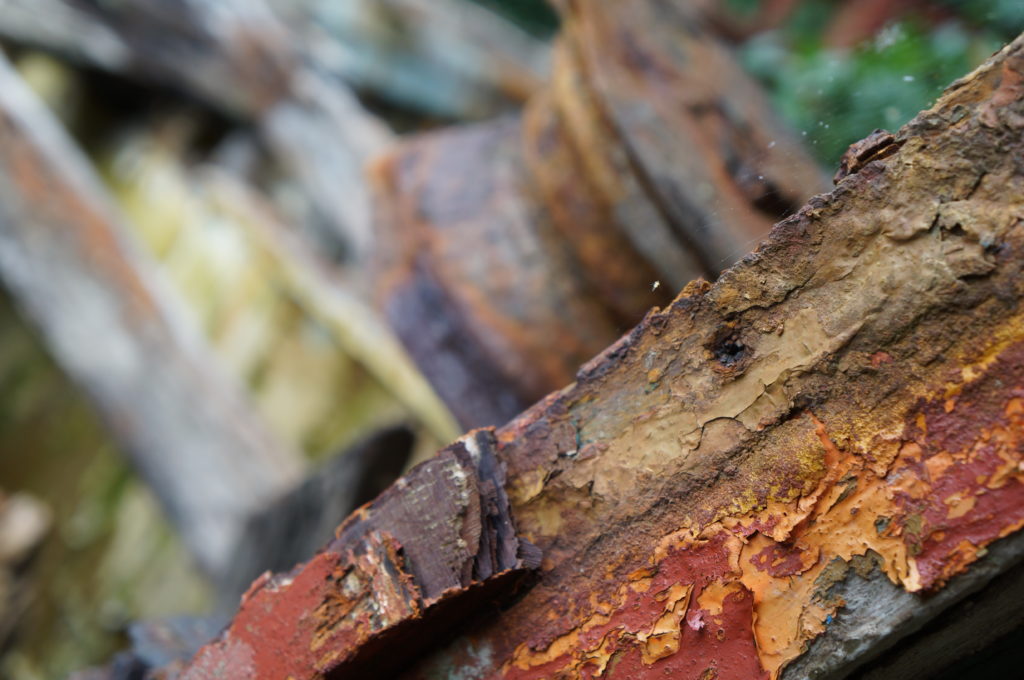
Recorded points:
(257,259)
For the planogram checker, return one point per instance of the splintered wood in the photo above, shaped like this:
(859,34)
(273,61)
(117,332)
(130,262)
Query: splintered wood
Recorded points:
(402,571)
(776,475)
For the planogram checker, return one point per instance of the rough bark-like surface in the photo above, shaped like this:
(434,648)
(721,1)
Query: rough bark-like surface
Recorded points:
(118,332)
(847,401)
(401,573)
(651,159)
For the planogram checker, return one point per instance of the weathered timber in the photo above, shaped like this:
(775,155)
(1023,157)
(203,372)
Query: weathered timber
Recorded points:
(69,262)
(651,158)
(332,295)
(817,452)
(182,209)
(967,633)
(402,571)
(228,52)
(275,65)
(238,57)
(447,58)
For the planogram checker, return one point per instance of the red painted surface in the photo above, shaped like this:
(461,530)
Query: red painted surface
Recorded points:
(271,634)
(710,645)
(723,649)
(968,442)
(780,559)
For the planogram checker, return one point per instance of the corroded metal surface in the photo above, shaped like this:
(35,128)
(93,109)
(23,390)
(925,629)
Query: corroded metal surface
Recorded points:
(698,132)
(515,319)
(848,394)
(847,401)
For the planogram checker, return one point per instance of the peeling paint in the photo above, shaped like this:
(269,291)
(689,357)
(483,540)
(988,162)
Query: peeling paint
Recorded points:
(922,517)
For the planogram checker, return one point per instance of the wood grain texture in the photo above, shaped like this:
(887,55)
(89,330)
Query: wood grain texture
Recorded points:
(843,404)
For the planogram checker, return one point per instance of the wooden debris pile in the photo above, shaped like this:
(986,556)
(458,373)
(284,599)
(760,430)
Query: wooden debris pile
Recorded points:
(776,476)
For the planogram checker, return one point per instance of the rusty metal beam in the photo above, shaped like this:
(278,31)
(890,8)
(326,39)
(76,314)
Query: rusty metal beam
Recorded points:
(402,572)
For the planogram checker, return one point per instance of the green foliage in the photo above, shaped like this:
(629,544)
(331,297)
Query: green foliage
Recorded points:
(1005,18)
(836,97)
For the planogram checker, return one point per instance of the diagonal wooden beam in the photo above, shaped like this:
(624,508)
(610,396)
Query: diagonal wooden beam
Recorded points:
(71,265)
(819,452)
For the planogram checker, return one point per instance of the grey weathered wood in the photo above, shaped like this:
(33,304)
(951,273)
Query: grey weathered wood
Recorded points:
(448,58)
(332,295)
(112,325)
(966,633)
(292,80)
(443,57)
(231,53)
(879,615)
(239,58)
(324,138)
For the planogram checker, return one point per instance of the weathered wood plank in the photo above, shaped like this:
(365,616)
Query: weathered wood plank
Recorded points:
(447,58)
(231,53)
(293,79)
(117,330)
(238,57)
(844,402)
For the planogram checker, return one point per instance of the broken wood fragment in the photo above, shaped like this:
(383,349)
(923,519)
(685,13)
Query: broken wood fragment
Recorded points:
(402,571)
